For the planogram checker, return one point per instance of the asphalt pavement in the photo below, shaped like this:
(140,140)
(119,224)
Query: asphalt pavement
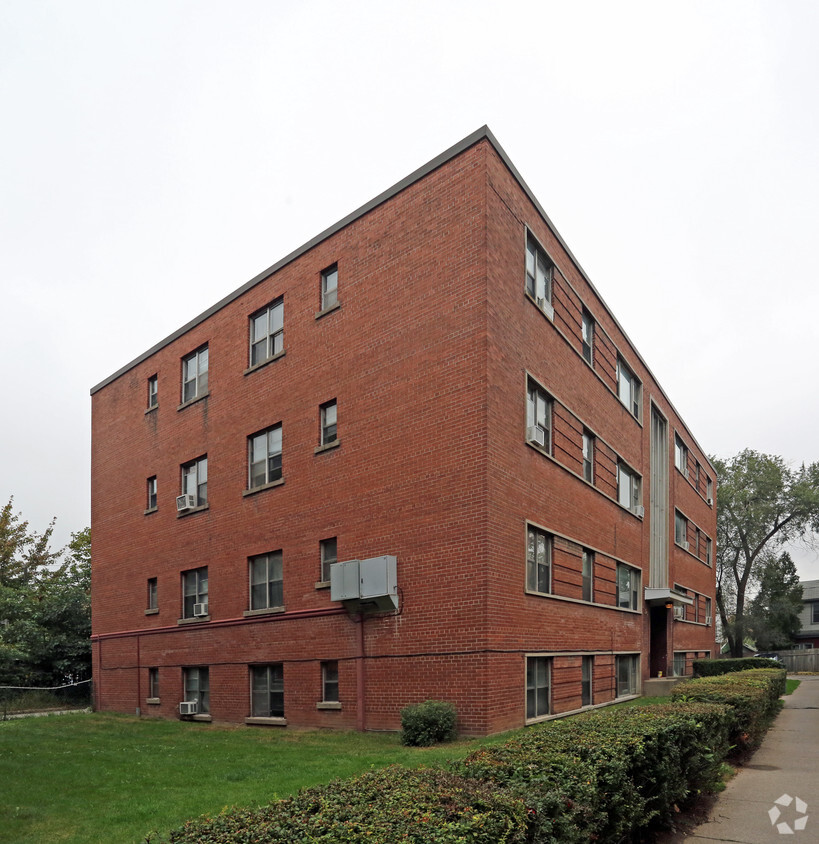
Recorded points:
(775,797)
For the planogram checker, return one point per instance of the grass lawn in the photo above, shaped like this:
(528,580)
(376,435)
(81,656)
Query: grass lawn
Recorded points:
(790,686)
(113,779)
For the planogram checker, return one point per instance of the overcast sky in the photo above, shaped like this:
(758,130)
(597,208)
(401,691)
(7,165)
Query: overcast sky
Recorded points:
(154,156)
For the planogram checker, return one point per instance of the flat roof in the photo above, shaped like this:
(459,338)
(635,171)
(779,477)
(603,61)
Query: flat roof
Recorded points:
(453,152)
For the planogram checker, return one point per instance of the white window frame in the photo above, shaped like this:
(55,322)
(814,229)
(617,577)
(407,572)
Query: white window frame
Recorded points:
(265,450)
(195,375)
(629,388)
(538,687)
(329,287)
(195,479)
(539,414)
(539,275)
(152,493)
(588,456)
(628,586)
(194,590)
(267,690)
(266,581)
(587,575)
(538,560)
(267,333)
(153,392)
(628,487)
(680,455)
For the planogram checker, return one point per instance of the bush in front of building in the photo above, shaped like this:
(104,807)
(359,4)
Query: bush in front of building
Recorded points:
(427,723)
(609,775)
(753,695)
(423,806)
(715,667)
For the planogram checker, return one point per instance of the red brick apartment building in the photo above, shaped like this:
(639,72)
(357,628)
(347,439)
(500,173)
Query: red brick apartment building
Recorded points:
(432,386)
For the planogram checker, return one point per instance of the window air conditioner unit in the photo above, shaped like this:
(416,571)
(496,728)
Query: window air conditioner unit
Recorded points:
(710,501)
(185,502)
(536,435)
(679,612)
(188,707)
(640,511)
(708,620)
(686,545)
(541,303)
(200,609)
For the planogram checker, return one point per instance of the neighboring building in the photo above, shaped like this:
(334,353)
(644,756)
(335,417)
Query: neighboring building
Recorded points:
(434,379)
(808,635)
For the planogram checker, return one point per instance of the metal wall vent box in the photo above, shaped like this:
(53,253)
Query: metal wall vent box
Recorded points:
(365,585)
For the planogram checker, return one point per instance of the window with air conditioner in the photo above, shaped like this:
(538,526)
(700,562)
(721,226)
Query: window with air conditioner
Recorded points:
(708,616)
(629,389)
(628,487)
(194,484)
(539,417)
(628,587)
(196,684)
(539,274)
(195,593)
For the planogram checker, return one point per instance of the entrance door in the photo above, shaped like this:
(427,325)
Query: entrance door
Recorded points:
(658,655)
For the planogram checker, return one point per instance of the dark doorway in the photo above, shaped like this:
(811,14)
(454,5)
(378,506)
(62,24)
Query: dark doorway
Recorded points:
(658,654)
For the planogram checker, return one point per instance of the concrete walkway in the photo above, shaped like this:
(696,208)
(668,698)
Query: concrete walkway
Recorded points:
(775,797)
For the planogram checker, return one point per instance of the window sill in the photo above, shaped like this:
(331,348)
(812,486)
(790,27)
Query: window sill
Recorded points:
(327,704)
(263,487)
(192,510)
(152,701)
(329,310)
(195,399)
(265,611)
(151,409)
(580,601)
(152,611)
(323,584)
(262,364)
(546,309)
(327,447)
(199,619)
(150,510)
(270,722)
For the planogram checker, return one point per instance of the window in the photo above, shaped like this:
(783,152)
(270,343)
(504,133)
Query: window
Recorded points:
(679,664)
(153,594)
(195,375)
(329,419)
(328,549)
(152,493)
(587,674)
(538,561)
(709,487)
(329,287)
(153,683)
(588,575)
(698,474)
(538,275)
(628,388)
(265,457)
(708,616)
(588,457)
(680,529)
(195,593)
(153,391)
(814,615)
(267,333)
(708,559)
(195,480)
(197,688)
(628,487)
(587,334)
(627,668)
(628,587)
(329,682)
(539,417)
(266,582)
(267,691)
(537,686)
(680,455)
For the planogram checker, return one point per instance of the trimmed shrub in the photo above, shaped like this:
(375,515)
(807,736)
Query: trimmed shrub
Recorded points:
(715,667)
(753,695)
(606,776)
(427,723)
(424,806)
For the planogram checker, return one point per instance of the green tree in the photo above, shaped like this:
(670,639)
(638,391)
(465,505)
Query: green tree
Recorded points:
(773,614)
(761,504)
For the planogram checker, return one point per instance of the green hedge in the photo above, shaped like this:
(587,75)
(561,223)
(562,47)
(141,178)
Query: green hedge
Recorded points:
(753,695)
(608,775)
(427,723)
(715,667)
(424,806)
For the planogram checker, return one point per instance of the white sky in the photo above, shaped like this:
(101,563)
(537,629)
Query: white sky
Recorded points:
(154,156)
